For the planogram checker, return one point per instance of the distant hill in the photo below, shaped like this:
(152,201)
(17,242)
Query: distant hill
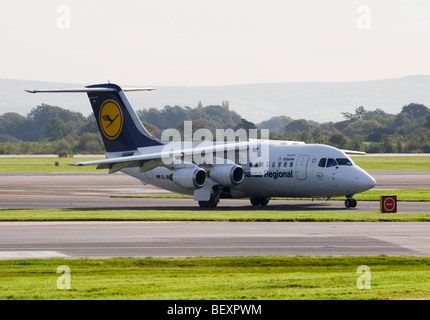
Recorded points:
(318,101)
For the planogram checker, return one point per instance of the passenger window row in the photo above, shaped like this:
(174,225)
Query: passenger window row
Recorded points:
(274,164)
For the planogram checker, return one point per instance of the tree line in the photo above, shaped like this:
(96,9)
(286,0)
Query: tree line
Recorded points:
(372,131)
(50,129)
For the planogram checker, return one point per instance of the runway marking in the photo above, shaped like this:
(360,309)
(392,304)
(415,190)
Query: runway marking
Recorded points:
(36,254)
(54,195)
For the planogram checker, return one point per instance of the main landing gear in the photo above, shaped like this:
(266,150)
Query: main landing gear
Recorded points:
(259,201)
(211,203)
(350,202)
(213,200)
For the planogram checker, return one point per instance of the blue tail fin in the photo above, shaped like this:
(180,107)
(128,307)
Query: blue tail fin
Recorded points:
(119,125)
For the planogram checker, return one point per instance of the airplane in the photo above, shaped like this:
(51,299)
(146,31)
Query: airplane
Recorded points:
(258,169)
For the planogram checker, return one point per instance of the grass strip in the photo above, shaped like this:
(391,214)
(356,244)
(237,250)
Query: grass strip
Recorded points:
(208,215)
(393,163)
(416,195)
(235,278)
(45,164)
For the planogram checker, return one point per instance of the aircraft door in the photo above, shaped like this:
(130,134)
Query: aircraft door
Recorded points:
(302,167)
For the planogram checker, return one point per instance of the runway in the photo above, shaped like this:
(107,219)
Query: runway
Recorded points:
(183,239)
(188,239)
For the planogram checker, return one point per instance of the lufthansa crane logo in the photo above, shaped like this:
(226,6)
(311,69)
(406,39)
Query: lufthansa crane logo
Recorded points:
(110,119)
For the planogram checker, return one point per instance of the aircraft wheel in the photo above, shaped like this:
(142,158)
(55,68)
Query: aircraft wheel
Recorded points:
(207,204)
(259,201)
(254,201)
(264,201)
(350,203)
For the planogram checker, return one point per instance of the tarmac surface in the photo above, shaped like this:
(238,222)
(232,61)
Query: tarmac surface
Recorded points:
(186,239)
(180,239)
(94,190)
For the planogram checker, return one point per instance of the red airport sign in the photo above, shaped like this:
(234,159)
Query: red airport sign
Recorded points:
(388,204)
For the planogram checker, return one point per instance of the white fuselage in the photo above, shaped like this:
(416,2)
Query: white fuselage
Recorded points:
(283,169)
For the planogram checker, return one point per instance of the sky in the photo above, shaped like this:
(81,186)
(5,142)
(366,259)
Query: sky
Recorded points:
(205,43)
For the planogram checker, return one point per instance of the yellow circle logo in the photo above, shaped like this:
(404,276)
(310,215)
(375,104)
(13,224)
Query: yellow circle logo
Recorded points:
(110,119)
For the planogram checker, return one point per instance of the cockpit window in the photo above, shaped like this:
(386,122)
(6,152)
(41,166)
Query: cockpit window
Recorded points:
(322,163)
(331,163)
(344,162)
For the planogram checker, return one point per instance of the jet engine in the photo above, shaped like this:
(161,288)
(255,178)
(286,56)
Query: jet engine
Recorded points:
(189,178)
(227,175)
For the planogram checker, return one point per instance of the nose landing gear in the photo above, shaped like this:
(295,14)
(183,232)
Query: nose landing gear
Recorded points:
(350,202)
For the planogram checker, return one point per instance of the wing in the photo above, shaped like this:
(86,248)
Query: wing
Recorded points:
(169,157)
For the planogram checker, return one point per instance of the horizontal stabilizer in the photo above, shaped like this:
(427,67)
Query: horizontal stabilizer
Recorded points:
(86,90)
(119,125)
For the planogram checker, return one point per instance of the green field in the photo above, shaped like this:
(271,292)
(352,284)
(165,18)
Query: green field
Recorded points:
(419,195)
(210,215)
(244,278)
(47,164)
(393,163)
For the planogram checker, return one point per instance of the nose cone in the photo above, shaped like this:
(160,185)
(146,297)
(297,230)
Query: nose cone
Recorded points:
(365,181)
(372,182)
